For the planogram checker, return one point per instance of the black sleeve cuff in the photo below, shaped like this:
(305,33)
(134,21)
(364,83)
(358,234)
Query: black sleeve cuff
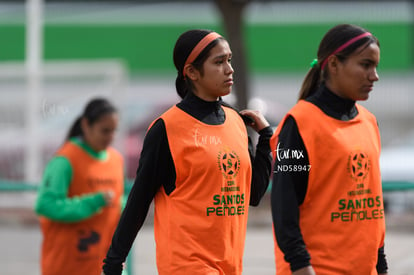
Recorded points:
(266,132)
(112,269)
(382,266)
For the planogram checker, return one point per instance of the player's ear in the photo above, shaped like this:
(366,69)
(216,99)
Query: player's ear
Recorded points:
(332,64)
(191,72)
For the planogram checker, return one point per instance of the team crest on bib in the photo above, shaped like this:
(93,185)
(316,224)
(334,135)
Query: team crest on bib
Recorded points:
(359,165)
(229,163)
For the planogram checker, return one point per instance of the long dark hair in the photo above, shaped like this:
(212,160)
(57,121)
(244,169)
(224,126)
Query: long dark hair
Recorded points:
(333,39)
(94,110)
(182,49)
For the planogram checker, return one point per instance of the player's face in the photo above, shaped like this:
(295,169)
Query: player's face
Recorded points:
(101,133)
(355,77)
(217,77)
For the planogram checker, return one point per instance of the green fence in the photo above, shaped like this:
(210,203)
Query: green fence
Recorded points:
(147,48)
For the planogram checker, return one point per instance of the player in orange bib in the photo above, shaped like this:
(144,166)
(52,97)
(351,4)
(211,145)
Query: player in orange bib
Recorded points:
(327,202)
(197,166)
(79,199)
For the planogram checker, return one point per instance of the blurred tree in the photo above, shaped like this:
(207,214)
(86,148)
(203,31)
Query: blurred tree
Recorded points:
(232,16)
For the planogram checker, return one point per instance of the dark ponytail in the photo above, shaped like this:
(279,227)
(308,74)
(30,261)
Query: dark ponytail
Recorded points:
(333,40)
(182,49)
(181,85)
(311,82)
(76,129)
(94,110)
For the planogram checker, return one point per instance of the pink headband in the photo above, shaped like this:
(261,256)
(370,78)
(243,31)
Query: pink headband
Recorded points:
(200,47)
(353,40)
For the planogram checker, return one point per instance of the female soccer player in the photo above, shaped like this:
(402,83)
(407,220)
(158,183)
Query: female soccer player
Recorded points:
(196,165)
(327,202)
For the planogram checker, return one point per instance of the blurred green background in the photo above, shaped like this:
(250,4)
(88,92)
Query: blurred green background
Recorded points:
(147,48)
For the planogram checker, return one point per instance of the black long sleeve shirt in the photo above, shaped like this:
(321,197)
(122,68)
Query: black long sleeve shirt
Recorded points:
(289,189)
(156,169)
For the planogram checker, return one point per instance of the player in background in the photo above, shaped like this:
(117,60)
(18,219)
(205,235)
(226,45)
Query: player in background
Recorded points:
(79,200)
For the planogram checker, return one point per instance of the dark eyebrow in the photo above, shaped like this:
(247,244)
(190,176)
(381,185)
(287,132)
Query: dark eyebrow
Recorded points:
(223,56)
(369,61)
